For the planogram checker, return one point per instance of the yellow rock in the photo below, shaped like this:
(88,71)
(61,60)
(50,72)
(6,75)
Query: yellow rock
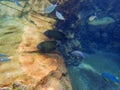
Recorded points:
(31,71)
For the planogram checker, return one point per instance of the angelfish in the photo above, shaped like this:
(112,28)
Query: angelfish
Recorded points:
(59,15)
(50,8)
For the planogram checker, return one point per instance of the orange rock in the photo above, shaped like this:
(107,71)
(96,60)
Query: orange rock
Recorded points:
(36,65)
(32,70)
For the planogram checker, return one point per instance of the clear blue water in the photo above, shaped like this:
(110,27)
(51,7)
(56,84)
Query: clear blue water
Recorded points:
(99,43)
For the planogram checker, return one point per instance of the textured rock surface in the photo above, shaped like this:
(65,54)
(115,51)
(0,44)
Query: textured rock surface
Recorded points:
(29,70)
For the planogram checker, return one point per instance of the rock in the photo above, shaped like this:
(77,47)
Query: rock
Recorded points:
(9,8)
(31,71)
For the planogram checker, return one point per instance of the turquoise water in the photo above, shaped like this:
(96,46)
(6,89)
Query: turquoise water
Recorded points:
(87,76)
(95,24)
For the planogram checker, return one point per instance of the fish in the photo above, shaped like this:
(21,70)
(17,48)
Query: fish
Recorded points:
(78,53)
(47,46)
(50,8)
(3,55)
(93,17)
(59,15)
(4,59)
(110,77)
(54,34)
(18,3)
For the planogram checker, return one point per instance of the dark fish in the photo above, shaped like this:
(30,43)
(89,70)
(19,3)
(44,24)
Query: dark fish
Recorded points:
(47,46)
(4,58)
(56,35)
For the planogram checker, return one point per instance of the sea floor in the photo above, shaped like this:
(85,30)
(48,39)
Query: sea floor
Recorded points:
(87,76)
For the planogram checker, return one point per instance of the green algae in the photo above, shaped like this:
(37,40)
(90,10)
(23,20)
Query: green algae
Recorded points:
(10,34)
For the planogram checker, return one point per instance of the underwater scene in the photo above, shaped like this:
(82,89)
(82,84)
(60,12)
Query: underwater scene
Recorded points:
(59,45)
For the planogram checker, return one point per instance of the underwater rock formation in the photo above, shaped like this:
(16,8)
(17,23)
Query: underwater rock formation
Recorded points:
(9,8)
(29,70)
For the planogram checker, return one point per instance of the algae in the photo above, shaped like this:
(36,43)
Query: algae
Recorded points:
(10,34)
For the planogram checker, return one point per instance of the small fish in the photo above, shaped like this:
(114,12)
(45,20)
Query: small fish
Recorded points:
(47,46)
(110,77)
(93,17)
(50,8)
(18,3)
(3,55)
(12,0)
(78,54)
(54,34)
(59,15)
(4,59)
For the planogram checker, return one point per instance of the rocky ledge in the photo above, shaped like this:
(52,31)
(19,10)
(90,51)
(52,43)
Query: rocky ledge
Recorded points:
(28,69)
